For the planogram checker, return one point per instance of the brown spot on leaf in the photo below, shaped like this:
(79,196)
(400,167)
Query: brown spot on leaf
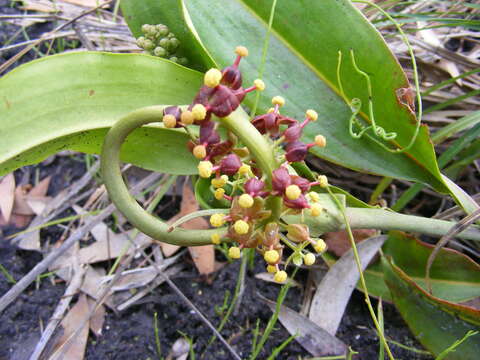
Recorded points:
(339,243)
(91,92)
(7,103)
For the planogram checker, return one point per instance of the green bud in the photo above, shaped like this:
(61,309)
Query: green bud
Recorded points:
(164,42)
(148,44)
(141,42)
(171,35)
(183,61)
(174,59)
(159,51)
(174,43)
(145,28)
(162,30)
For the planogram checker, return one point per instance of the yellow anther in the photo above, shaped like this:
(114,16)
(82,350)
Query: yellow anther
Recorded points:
(259,84)
(241,227)
(311,115)
(315,209)
(241,51)
(280,276)
(245,169)
(309,259)
(215,239)
(187,117)
(293,192)
(278,100)
(199,112)
(245,201)
(205,169)
(271,256)
(169,121)
(234,252)
(212,78)
(219,193)
(314,197)
(199,152)
(272,269)
(320,141)
(322,181)
(220,181)
(217,220)
(320,246)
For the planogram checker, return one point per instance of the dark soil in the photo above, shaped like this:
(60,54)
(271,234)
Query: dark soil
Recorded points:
(130,335)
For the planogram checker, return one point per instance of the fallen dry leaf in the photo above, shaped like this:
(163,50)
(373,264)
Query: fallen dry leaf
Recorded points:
(7,195)
(70,346)
(339,243)
(97,319)
(29,201)
(86,3)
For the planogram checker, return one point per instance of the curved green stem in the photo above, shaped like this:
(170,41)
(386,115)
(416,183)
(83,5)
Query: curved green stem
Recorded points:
(118,191)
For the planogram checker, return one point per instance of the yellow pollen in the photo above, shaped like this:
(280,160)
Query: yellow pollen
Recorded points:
(315,209)
(245,169)
(309,259)
(169,121)
(241,51)
(199,112)
(212,78)
(205,169)
(219,182)
(217,220)
(215,239)
(278,100)
(320,246)
(293,192)
(234,252)
(245,201)
(241,227)
(199,152)
(311,115)
(219,193)
(320,141)
(271,256)
(272,269)
(259,84)
(187,117)
(280,276)
(322,181)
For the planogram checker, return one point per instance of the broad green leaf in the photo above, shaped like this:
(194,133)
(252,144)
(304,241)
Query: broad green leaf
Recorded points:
(436,323)
(454,276)
(69,101)
(301,65)
(169,13)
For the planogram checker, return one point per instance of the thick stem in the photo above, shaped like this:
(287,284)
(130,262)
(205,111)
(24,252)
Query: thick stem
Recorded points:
(360,218)
(118,192)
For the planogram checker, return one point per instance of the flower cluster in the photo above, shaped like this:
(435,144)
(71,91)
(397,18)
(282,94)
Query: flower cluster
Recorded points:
(159,41)
(236,177)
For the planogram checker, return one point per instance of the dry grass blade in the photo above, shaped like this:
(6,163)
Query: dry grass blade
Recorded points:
(456,229)
(7,196)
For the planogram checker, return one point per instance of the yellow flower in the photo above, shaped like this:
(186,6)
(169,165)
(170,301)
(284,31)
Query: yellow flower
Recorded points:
(320,141)
(199,112)
(241,51)
(315,209)
(212,78)
(259,84)
(245,169)
(314,197)
(215,238)
(199,152)
(311,115)
(234,252)
(271,256)
(241,227)
(272,269)
(187,117)
(169,121)
(219,193)
(217,220)
(278,100)
(280,276)
(320,246)
(293,192)
(220,181)
(245,201)
(205,169)
(322,181)
(309,259)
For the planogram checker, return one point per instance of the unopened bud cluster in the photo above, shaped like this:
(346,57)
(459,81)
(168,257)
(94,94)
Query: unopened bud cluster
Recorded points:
(236,177)
(158,40)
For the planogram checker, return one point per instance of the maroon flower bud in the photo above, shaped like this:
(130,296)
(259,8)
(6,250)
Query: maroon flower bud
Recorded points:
(299,203)
(293,133)
(220,148)
(230,164)
(232,77)
(225,100)
(280,179)
(254,187)
(296,151)
(301,182)
(208,134)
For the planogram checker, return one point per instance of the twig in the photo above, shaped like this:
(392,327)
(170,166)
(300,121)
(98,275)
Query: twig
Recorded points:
(20,286)
(59,312)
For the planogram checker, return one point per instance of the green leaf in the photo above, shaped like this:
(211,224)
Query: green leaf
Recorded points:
(167,12)
(436,323)
(454,276)
(301,66)
(69,101)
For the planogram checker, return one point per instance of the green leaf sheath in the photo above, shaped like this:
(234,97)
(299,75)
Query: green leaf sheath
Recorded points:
(110,168)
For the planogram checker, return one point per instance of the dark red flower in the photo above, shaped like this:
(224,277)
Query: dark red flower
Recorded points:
(280,180)
(296,151)
(230,164)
